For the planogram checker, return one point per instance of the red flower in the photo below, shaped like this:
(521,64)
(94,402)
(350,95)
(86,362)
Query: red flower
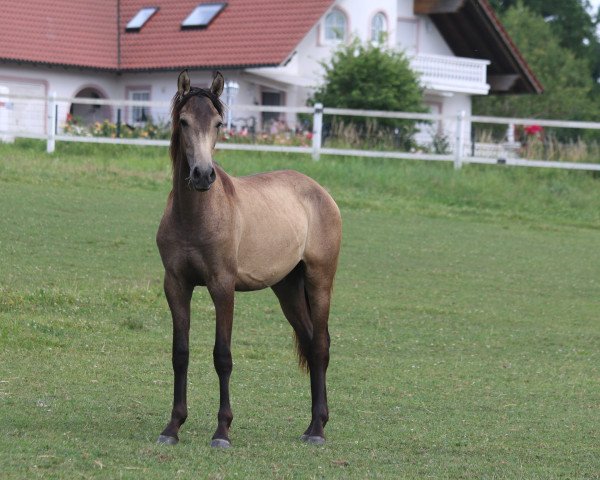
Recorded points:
(533,129)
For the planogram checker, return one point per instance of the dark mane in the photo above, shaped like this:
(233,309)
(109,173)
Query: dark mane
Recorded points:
(177,104)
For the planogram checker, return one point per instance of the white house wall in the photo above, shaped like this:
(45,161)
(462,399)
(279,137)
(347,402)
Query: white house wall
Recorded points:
(413,34)
(429,38)
(65,82)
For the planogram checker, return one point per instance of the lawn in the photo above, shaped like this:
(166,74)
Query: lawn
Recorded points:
(465,326)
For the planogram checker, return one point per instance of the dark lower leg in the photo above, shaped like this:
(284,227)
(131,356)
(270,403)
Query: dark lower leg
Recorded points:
(320,412)
(318,299)
(179,411)
(179,297)
(223,366)
(223,300)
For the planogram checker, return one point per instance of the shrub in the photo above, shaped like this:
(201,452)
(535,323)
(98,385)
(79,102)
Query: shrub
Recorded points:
(369,77)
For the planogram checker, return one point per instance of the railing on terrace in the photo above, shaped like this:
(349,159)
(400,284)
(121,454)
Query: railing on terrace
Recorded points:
(457,74)
(39,118)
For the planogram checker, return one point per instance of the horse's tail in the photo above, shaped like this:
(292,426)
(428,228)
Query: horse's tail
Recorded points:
(303,339)
(301,351)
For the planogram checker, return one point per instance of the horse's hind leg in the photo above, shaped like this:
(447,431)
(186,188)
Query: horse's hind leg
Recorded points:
(306,306)
(318,292)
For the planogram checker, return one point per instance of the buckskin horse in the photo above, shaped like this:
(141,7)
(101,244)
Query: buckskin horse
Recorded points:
(280,230)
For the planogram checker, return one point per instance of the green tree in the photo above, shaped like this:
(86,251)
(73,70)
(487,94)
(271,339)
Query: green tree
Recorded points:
(572,21)
(369,77)
(567,83)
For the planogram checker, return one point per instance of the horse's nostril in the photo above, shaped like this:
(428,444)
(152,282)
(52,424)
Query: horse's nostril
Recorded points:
(213,175)
(195,172)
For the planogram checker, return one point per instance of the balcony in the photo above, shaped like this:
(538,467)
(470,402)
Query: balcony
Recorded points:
(443,73)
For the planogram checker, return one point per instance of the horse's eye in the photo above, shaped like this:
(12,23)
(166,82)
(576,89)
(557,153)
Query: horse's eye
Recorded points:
(183,122)
(219,125)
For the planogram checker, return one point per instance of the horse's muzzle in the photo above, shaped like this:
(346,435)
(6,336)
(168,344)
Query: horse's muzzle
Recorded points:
(202,180)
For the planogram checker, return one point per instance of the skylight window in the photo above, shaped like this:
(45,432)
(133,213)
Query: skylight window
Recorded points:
(202,15)
(140,19)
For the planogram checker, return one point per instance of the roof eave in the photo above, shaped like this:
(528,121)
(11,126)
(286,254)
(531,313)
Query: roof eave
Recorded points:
(448,14)
(491,14)
(157,68)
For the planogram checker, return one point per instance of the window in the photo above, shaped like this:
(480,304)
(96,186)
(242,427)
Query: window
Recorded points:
(270,120)
(202,15)
(139,114)
(378,28)
(140,19)
(335,27)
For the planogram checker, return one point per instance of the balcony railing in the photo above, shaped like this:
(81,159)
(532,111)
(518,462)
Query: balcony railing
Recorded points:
(452,74)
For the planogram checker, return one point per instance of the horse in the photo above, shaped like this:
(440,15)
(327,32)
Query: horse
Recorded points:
(279,229)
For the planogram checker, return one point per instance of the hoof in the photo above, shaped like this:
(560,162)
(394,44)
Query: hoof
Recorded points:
(313,439)
(166,440)
(220,443)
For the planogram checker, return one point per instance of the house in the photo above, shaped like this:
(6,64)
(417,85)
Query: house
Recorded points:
(272,49)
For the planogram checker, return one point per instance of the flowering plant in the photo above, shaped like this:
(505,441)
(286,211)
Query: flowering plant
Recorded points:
(532,130)
(106,128)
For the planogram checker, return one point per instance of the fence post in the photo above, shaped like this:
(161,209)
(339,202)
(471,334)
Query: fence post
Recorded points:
(52,123)
(317,131)
(118,123)
(459,141)
(510,133)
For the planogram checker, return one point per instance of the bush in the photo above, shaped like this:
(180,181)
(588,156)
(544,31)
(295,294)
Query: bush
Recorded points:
(369,77)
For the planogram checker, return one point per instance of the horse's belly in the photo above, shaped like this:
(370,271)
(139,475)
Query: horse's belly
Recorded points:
(262,267)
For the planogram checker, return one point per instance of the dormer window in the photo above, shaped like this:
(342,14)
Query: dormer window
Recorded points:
(140,19)
(203,15)
(335,26)
(379,29)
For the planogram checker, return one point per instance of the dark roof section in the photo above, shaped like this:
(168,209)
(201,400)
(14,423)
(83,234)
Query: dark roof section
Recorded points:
(472,29)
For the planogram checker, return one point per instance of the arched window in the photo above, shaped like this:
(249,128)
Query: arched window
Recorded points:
(378,28)
(87,114)
(335,26)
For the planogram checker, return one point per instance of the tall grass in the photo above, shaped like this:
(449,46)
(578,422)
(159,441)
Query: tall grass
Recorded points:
(546,146)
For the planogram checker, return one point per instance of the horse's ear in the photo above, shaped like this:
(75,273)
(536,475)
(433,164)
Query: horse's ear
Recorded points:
(217,84)
(183,83)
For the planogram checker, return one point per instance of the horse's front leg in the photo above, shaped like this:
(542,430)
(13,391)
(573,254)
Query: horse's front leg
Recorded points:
(223,298)
(179,295)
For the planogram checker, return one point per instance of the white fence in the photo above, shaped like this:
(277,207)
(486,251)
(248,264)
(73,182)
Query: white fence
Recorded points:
(44,118)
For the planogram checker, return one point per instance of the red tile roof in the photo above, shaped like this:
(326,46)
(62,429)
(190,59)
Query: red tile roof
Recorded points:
(258,32)
(84,33)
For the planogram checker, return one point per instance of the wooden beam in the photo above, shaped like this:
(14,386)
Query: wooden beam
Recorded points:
(430,7)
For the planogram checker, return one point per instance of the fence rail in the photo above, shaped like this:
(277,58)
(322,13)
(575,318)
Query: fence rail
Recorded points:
(38,118)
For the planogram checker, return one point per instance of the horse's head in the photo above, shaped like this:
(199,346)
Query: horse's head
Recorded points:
(197,118)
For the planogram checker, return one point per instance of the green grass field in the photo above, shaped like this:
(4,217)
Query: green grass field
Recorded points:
(465,326)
